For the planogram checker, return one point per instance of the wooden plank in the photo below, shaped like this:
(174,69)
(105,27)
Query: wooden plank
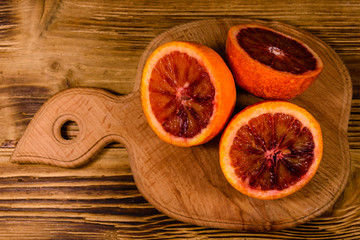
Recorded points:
(62,201)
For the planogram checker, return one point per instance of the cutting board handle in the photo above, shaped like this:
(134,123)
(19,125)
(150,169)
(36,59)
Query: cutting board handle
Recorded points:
(101,118)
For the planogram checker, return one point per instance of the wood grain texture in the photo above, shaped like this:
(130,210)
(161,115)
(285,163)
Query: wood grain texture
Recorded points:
(186,183)
(114,35)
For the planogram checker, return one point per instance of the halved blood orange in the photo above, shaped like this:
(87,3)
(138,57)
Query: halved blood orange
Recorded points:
(188,93)
(271,149)
(270,64)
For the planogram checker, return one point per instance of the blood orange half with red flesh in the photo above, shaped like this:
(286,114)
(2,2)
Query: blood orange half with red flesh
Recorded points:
(271,149)
(270,64)
(188,93)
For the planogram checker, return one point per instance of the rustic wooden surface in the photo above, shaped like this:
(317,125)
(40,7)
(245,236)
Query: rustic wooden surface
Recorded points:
(187,183)
(100,200)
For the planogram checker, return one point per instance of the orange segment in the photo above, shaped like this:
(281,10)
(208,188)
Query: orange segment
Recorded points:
(188,93)
(270,64)
(271,149)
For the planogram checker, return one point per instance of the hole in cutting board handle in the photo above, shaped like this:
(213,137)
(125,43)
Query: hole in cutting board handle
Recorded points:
(67,129)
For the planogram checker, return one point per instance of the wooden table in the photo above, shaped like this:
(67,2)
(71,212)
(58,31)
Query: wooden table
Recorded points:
(48,46)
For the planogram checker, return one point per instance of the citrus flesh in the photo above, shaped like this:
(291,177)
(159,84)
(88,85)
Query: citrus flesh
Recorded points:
(276,50)
(270,64)
(183,103)
(271,149)
(188,93)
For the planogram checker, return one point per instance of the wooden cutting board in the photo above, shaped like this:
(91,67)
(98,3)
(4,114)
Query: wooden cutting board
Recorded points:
(187,183)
